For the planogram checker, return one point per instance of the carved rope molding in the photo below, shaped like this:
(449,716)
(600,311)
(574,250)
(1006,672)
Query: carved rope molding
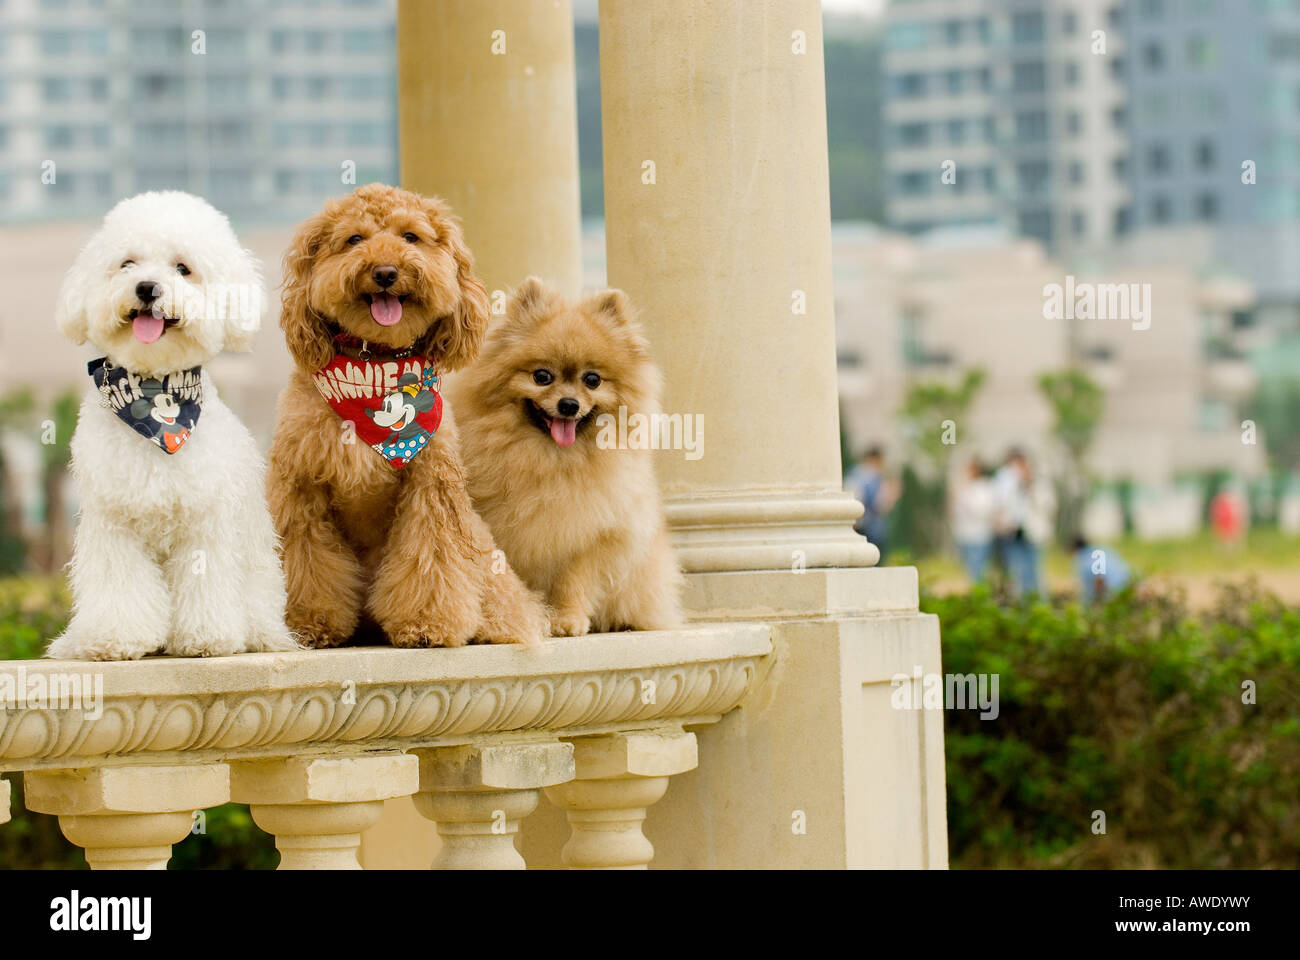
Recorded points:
(365,698)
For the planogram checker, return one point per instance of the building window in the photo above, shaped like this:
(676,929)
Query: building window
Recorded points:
(1153,56)
(1119,166)
(990,125)
(1032,176)
(1031,126)
(954,80)
(1037,224)
(1158,158)
(913,134)
(1123,220)
(1161,210)
(914,183)
(1205,154)
(1073,123)
(1078,223)
(1029,77)
(1078,172)
(982,30)
(1207,207)
(1118,118)
(907,36)
(1070,73)
(1152,9)
(952,32)
(1027,27)
(1069,23)
(910,85)
(1116,67)
(956,131)
(984,77)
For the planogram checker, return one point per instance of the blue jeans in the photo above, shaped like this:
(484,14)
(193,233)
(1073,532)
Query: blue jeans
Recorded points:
(975,557)
(1021,558)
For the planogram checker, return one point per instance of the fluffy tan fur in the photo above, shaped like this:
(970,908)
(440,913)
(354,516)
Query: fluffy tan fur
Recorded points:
(358,536)
(581,524)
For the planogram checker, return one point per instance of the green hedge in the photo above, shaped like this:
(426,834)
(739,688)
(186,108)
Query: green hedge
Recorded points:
(1133,708)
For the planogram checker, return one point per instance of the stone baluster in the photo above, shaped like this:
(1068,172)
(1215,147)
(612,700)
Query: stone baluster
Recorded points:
(127,818)
(477,796)
(617,778)
(316,808)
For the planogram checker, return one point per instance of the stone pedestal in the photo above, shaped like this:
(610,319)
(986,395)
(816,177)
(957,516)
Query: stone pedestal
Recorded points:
(127,818)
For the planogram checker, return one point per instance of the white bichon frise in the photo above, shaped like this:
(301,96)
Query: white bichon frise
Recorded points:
(175,551)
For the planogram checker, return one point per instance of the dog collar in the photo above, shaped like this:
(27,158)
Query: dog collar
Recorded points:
(164,410)
(345,344)
(394,405)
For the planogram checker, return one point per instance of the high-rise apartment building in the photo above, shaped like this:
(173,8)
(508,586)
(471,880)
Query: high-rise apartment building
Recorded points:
(1008,114)
(260,105)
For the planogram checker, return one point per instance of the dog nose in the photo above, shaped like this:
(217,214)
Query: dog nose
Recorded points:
(148,291)
(568,407)
(385,276)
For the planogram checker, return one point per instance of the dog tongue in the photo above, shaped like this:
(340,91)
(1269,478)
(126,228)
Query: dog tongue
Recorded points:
(386,309)
(146,327)
(563,431)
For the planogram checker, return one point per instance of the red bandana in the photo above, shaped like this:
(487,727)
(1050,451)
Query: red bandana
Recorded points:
(394,405)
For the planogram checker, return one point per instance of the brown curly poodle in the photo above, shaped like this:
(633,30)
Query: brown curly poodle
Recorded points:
(365,483)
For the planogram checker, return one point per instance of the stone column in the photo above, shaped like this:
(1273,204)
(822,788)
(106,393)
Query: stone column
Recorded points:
(617,778)
(317,808)
(717,221)
(127,818)
(487,107)
(478,795)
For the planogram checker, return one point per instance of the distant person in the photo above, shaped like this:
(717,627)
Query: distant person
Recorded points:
(973,505)
(1102,572)
(868,484)
(1023,520)
(1228,517)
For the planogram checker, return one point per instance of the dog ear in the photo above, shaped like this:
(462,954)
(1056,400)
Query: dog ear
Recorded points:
(611,304)
(244,303)
(530,301)
(456,339)
(305,331)
(70,307)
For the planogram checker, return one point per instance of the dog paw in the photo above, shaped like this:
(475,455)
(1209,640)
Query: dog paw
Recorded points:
(428,636)
(207,646)
(76,646)
(570,624)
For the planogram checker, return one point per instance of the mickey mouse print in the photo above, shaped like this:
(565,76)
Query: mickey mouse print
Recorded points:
(162,410)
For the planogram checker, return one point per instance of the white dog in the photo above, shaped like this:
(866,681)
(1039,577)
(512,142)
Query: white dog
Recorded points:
(175,551)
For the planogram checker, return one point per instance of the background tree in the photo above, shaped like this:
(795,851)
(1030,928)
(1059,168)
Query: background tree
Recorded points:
(15,409)
(51,551)
(920,517)
(1077,404)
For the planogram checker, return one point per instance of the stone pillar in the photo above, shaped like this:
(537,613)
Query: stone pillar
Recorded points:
(317,808)
(487,107)
(617,778)
(717,223)
(478,795)
(127,818)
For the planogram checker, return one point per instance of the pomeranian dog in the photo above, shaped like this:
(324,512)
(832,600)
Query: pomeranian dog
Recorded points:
(365,486)
(174,551)
(580,520)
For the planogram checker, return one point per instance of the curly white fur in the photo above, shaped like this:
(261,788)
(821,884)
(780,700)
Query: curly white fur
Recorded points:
(174,553)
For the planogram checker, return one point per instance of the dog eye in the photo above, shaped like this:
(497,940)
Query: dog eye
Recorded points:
(591,380)
(183,270)
(410,238)
(355,239)
(542,377)
(126,263)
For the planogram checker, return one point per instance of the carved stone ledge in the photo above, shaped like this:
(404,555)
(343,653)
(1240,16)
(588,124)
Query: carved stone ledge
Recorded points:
(361,699)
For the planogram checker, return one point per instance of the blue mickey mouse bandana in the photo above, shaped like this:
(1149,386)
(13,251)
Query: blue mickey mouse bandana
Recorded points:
(162,410)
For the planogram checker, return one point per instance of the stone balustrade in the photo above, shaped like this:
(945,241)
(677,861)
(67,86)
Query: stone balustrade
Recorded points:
(315,742)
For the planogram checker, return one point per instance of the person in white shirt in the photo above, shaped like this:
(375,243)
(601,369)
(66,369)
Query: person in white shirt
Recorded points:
(1023,519)
(972,510)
